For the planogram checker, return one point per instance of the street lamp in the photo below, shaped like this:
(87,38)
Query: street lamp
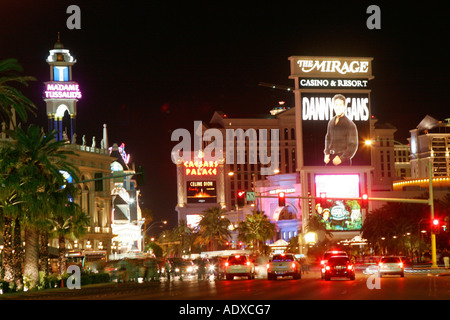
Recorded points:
(430,197)
(152,225)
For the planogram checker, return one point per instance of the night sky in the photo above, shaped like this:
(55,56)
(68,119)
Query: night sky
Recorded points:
(146,68)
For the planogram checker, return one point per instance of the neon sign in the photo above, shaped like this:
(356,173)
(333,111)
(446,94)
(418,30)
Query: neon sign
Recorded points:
(201,168)
(326,67)
(333,66)
(322,108)
(62,91)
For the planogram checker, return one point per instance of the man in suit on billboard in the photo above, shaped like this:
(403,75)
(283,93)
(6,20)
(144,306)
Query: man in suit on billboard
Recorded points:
(341,140)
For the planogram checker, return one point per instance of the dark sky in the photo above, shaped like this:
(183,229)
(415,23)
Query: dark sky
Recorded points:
(146,68)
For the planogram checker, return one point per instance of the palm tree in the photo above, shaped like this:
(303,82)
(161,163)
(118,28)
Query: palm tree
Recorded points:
(10,97)
(213,228)
(39,158)
(9,210)
(67,220)
(256,229)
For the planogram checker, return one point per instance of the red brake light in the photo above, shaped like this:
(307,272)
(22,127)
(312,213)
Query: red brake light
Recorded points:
(327,268)
(248,263)
(226,264)
(293,265)
(380,264)
(350,267)
(400,264)
(268,265)
(322,262)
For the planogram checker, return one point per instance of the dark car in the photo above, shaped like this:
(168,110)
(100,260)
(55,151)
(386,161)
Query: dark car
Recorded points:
(217,267)
(338,266)
(326,256)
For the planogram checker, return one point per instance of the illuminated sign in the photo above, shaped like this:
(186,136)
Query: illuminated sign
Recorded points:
(60,73)
(62,91)
(327,67)
(322,108)
(333,126)
(193,220)
(333,83)
(201,168)
(339,215)
(201,192)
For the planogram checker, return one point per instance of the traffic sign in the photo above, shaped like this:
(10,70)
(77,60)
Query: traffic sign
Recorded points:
(251,196)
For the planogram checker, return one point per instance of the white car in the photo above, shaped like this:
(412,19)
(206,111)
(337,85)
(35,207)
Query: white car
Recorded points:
(391,265)
(283,265)
(239,266)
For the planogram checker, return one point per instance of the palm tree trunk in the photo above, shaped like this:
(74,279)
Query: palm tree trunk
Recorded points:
(18,253)
(31,267)
(43,252)
(62,261)
(8,263)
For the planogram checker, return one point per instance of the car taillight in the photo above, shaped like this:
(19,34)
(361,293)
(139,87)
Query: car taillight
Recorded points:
(327,268)
(293,265)
(400,265)
(350,267)
(322,262)
(268,265)
(380,264)
(248,263)
(226,264)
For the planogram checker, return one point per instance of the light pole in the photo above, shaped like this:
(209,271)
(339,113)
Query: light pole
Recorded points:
(152,225)
(430,197)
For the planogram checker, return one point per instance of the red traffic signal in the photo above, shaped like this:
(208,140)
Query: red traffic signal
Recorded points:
(281,199)
(435,224)
(241,198)
(364,201)
(322,198)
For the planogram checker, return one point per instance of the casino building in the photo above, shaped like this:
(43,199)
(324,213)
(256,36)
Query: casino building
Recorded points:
(306,169)
(111,203)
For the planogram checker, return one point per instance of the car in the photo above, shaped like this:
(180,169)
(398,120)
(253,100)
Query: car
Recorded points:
(391,265)
(284,265)
(325,258)
(339,266)
(217,267)
(239,266)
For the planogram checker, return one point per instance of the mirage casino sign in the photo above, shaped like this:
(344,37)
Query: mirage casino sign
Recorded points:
(331,67)
(332,109)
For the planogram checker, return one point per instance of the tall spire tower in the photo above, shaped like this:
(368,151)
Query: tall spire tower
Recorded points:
(61,92)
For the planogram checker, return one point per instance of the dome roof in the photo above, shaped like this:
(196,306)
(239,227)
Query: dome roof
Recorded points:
(58,44)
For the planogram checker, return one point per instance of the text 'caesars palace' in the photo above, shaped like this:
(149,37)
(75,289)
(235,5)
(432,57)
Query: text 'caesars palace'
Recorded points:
(327,145)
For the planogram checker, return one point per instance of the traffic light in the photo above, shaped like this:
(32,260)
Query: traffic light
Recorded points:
(241,198)
(364,201)
(435,225)
(140,176)
(281,199)
(322,198)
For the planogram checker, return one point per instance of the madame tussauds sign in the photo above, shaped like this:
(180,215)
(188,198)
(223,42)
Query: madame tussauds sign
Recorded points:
(325,67)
